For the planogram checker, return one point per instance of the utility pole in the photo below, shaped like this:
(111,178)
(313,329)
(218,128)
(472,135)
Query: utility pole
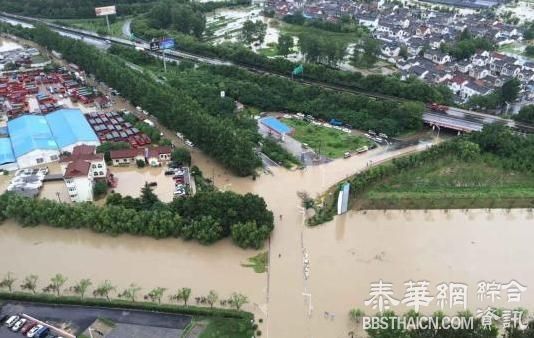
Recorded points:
(164,62)
(107,22)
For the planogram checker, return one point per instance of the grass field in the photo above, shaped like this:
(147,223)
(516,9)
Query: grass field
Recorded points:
(295,30)
(452,184)
(331,142)
(227,328)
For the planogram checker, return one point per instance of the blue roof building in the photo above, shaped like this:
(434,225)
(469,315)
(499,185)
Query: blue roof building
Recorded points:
(40,139)
(29,133)
(273,124)
(70,128)
(6,152)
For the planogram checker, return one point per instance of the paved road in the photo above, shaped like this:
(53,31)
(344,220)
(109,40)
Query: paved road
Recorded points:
(81,317)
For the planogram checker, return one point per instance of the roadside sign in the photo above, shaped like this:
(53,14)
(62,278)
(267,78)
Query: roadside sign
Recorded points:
(103,11)
(154,45)
(166,44)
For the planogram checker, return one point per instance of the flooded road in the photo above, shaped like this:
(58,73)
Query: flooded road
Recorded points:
(345,255)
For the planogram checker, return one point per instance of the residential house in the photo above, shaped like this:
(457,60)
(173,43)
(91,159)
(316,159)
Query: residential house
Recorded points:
(125,157)
(156,155)
(437,56)
(81,170)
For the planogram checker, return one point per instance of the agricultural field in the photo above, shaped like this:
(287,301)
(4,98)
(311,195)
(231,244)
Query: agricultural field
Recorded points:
(329,142)
(449,184)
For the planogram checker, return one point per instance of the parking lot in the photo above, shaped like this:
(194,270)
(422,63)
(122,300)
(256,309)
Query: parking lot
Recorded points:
(76,319)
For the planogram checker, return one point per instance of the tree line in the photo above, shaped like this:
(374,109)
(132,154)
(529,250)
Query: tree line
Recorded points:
(236,52)
(495,143)
(230,145)
(206,217)
(56,285)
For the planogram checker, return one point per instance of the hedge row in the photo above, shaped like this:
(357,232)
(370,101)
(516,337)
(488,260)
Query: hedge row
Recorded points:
(121,304)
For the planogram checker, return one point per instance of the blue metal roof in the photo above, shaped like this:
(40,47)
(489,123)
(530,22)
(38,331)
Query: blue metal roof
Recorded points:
(69,126)
(276,125)
(28,133)
(6,152)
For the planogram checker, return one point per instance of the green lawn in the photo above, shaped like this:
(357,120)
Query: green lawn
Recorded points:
(268,51)
(227,328)
(295,30)
(451,183)
(95,25)
(331,142)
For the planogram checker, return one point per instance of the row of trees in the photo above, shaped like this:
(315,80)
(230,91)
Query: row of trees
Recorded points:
(271,93)
(389,85)
(227,143)
(494,143)
(57,286)
(206,217)
(344,25)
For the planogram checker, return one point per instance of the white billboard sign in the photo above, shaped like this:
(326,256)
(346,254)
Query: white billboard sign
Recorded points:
(108,10)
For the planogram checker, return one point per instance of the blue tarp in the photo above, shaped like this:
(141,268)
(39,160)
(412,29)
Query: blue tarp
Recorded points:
(276,125)
(6,152)
(28,133)
(69,126)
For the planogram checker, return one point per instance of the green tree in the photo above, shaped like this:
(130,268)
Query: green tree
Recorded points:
(285,44)
(185,293)
(7,282)
(182,156)
(131,292)
(253,31)
(212,298)
(237,300)
(56,283)
(81,287)
(30,283)
(100,188)
(529,50)
(510,90)
(249,235)
(526,114)
(148,199)
(156,294)
(104,290)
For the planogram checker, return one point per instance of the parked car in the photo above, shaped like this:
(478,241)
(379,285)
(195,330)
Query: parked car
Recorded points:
(34,330)
(19,324)
(43,332)
(27,327)
(169,172)
(12,320)
(189,143)
(152,184)
(346,155)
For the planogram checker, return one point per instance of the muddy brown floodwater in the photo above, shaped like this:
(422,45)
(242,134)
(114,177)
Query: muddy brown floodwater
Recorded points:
(345,255)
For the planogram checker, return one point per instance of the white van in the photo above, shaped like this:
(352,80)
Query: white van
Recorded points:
(189,143)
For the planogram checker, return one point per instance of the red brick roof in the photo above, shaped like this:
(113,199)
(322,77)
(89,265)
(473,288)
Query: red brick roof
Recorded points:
(77,169)
(156,151)
(125,153)
(83,150)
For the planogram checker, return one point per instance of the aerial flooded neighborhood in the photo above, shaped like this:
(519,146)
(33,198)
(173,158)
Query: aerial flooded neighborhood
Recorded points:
(277,168)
